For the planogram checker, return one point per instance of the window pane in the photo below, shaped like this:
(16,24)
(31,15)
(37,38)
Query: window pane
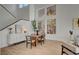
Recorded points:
(25,5)
(21,6)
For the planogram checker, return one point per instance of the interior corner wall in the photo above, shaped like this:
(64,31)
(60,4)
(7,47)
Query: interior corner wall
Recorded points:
(64,16)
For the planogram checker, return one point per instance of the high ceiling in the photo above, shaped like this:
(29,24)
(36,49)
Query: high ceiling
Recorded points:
(20,13)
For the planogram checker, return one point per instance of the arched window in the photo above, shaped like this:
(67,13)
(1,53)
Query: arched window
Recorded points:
(23,5)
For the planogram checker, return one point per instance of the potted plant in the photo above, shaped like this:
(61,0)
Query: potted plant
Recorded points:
(34,24)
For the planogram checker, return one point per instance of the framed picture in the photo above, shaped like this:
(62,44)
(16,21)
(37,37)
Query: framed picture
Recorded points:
(51,21)
(51,10)
(51,26)
(75,23)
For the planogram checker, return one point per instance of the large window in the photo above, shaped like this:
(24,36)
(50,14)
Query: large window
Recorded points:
(23,5)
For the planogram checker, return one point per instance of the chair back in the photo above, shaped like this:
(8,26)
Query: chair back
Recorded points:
(33,38)
(28,38)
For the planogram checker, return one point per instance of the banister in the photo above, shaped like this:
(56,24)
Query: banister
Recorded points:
(13,23)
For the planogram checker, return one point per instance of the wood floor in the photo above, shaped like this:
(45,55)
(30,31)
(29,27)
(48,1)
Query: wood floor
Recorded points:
(50,47)
(0,51)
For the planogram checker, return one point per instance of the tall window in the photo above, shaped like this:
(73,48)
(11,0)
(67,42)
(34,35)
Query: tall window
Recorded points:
(23,5)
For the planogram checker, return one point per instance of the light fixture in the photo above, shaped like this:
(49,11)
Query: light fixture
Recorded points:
(24,30)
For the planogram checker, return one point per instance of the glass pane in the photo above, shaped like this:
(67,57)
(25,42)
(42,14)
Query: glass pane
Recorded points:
(21,6)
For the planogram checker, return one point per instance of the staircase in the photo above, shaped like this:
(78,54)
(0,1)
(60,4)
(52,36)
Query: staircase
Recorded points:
(6,17)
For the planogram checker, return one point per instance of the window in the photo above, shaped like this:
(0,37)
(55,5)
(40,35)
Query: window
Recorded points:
(23,5)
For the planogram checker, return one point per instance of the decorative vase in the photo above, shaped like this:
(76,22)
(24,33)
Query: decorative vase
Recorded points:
(71,36)
(10,30)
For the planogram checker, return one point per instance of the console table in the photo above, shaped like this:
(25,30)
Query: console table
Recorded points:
(69,49)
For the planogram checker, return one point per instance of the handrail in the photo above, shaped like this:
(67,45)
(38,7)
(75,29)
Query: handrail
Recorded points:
(7,10)
(13,23)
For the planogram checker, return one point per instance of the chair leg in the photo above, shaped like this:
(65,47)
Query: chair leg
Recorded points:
(26,44)
(31,45)
(41,42)
(44,40)
(35,44)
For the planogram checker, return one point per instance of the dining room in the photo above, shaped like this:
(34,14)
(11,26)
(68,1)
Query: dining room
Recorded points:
(48,29)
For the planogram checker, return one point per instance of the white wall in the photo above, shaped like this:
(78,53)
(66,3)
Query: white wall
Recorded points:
(63,21)
(31,12)
(23,13)
(14,37)
(12,8)
(64,17)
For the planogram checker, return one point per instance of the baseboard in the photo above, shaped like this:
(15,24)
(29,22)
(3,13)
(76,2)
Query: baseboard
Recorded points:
(14,44)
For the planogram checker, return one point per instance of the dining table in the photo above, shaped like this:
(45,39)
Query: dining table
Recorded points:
(37,37)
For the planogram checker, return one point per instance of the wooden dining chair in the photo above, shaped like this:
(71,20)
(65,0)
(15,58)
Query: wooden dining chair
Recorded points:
(41,38)
(30,40)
